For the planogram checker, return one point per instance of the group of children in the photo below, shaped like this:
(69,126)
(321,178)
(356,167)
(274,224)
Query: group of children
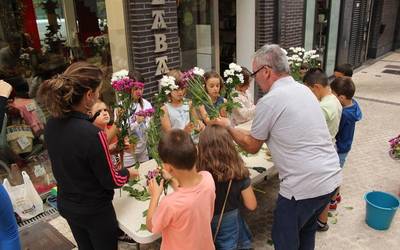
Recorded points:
(341,112)
(217,187)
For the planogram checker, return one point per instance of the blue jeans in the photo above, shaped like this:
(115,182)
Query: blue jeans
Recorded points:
(9,238)
(342,158)
(233,233)
(295,222)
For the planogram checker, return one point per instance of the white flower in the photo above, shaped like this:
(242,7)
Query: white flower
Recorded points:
(198,71)
(119,75)
(235,67)
(284,51)
(229,80)
(298,64)
(168,83)
(241,79)
(229,72)
(291,48)
(314,56)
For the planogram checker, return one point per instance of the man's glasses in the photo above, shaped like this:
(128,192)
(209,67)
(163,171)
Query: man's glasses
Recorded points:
(258,70)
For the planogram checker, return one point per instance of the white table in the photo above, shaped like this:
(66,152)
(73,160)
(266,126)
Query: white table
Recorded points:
(129,211)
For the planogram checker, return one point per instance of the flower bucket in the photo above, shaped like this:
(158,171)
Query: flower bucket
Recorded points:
(380,209)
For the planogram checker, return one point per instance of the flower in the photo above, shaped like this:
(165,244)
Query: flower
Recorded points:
(89,39)
(198,71)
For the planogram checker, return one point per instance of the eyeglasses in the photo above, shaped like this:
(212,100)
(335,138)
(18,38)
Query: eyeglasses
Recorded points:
(258,70)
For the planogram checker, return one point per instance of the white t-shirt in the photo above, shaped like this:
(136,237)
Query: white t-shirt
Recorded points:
(289,119)
(140,132)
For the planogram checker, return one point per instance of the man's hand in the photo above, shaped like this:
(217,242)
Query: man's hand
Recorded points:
(222,121)
(5,89)
(155,189)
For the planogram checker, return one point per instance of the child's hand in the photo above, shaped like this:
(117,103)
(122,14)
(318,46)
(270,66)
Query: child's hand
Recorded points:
(166,174)
(189,127)
(133,173)
(155,189)
(139,119)
(223,112)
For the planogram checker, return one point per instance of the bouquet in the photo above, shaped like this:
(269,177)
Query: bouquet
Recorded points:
(234,77)
(195,81)
(299,58)
(122,85)
(395,147)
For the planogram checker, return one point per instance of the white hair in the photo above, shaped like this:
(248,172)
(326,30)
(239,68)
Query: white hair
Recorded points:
(273,56)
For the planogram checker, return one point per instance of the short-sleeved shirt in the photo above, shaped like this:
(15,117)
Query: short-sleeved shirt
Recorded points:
(183,217)
(235,195)
(289,119)
(332,110)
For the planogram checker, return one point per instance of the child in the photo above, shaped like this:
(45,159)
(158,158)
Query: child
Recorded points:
(248,109)
(184,216)
(138,123)
(317,81)
(213,84)
(100,117)
(178,111)
(343,70)
(344,89)
(218,155)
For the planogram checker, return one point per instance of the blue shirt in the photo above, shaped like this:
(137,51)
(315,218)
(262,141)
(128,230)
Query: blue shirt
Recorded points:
(345,135)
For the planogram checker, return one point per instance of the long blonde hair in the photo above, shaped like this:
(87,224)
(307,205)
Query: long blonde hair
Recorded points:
(218,155)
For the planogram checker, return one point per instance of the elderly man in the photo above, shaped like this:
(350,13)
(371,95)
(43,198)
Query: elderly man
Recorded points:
(288,118)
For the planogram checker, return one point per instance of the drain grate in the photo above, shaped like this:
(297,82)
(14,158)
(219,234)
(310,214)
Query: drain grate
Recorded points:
(392,66)
(50,212)
(391,71)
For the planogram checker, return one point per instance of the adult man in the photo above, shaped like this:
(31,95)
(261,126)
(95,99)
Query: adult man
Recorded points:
(288,118)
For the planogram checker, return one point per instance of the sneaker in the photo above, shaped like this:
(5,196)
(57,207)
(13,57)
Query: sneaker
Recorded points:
(338,198)
(323,228)
(126,238)
(333,205)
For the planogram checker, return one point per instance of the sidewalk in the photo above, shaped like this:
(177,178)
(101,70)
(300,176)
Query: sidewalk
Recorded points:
(368,168)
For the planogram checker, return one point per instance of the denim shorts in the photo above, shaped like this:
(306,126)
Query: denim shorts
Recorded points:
(233,233)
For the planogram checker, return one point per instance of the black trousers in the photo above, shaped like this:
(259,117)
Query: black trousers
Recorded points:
(95,231)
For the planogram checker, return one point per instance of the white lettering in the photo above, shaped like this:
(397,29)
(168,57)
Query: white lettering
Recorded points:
(162,67)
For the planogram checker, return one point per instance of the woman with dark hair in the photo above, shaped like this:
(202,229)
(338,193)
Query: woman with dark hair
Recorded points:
(81,163)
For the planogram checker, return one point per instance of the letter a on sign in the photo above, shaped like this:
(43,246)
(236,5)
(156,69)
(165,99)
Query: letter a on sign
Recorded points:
(156,2)
(158,22)
(162,67)
(161,43)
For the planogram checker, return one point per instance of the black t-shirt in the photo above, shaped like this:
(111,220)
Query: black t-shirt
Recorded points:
(235,196)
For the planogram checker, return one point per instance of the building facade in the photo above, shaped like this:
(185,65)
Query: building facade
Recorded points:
(154,36)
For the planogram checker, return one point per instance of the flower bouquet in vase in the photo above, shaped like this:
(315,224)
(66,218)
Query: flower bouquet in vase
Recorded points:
(300,60)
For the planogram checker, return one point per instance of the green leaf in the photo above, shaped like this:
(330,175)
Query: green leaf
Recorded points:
(330,214)
(349,208)
(143,227)
(334,220)
(145,213)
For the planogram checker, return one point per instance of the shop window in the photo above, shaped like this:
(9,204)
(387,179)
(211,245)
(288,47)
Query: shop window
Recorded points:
(196,33)
(322,13)
(39,39)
